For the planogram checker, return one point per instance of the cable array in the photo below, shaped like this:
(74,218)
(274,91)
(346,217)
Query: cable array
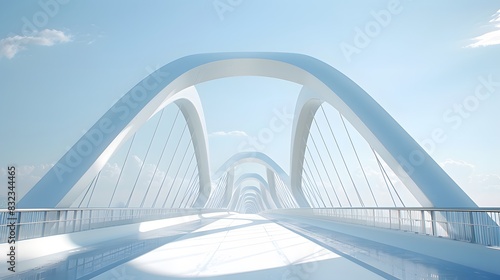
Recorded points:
(158,168)
(337,169)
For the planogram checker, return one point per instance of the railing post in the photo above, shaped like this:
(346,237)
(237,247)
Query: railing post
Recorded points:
(58,215)
(411,220)
(374,220)
(461,224)
(18,226)
(422,221)
(390,218)
(451,235)
(472,227)
(90,219)
(44,223)
(73,221)
(81,220)
(399,219)
(433,223)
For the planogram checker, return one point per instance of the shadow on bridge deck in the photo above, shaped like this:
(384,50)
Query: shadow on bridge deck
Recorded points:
(247,247)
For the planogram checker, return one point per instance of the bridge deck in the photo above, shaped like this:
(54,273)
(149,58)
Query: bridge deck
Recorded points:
(241,247)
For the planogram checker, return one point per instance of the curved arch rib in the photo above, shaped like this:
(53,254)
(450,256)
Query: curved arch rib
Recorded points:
(63,173)
(272,168)
(264,186)
(427,181)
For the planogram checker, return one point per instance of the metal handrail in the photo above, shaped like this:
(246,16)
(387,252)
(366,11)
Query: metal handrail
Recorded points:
(474,225)
(34,223)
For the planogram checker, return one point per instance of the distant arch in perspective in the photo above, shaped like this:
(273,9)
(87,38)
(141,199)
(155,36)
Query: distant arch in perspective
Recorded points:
(269,199)
(429,183)
(272,168)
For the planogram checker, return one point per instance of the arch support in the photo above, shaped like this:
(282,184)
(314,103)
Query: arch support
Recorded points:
(429,183)
(74,171)
(264,187)
(271,167)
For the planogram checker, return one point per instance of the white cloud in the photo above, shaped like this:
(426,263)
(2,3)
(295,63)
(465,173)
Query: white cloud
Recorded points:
(459,170)
(484,189)
(137,160)
(491,181)
(234,133)
(27,176)
(10,46)
(489,38)
(110,170)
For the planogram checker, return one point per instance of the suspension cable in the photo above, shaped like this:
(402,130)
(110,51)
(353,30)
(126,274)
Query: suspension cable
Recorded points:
(190,191)
(121,170)
(314,191)
(287,193)
(306,189)
(193,194)
(319,176)
(224,187)
(324,167)
(214,193)
(169,165)
(310,190)
(161,157)
(314,183)
(183,179)
(93,189)
(280,192)
(85,195)
(218,193)
(214,197)
(343,159)
(357,157)
(189,184)
(331,159)
(307,193)
(190,181)
(283,195)
(389,179)
(385,180)
(145,158)
(177,173)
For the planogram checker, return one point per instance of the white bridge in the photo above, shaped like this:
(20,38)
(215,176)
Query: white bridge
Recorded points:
(340,212)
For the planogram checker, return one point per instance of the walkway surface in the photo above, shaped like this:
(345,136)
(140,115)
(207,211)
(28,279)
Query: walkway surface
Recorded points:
(240,247)
(235,246)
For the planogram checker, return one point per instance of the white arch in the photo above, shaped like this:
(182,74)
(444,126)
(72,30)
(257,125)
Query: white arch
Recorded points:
(264,186)
(188,103)
(428,180)
(271,168)
(430,185)
(242,193)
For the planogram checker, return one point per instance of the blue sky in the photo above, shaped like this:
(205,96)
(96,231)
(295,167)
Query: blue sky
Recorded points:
(64,63)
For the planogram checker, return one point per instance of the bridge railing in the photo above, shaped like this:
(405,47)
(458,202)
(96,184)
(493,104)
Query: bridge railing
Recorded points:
(34,223)
(480,226)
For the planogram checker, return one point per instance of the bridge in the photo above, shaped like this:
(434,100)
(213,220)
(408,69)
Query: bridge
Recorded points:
(136,197)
